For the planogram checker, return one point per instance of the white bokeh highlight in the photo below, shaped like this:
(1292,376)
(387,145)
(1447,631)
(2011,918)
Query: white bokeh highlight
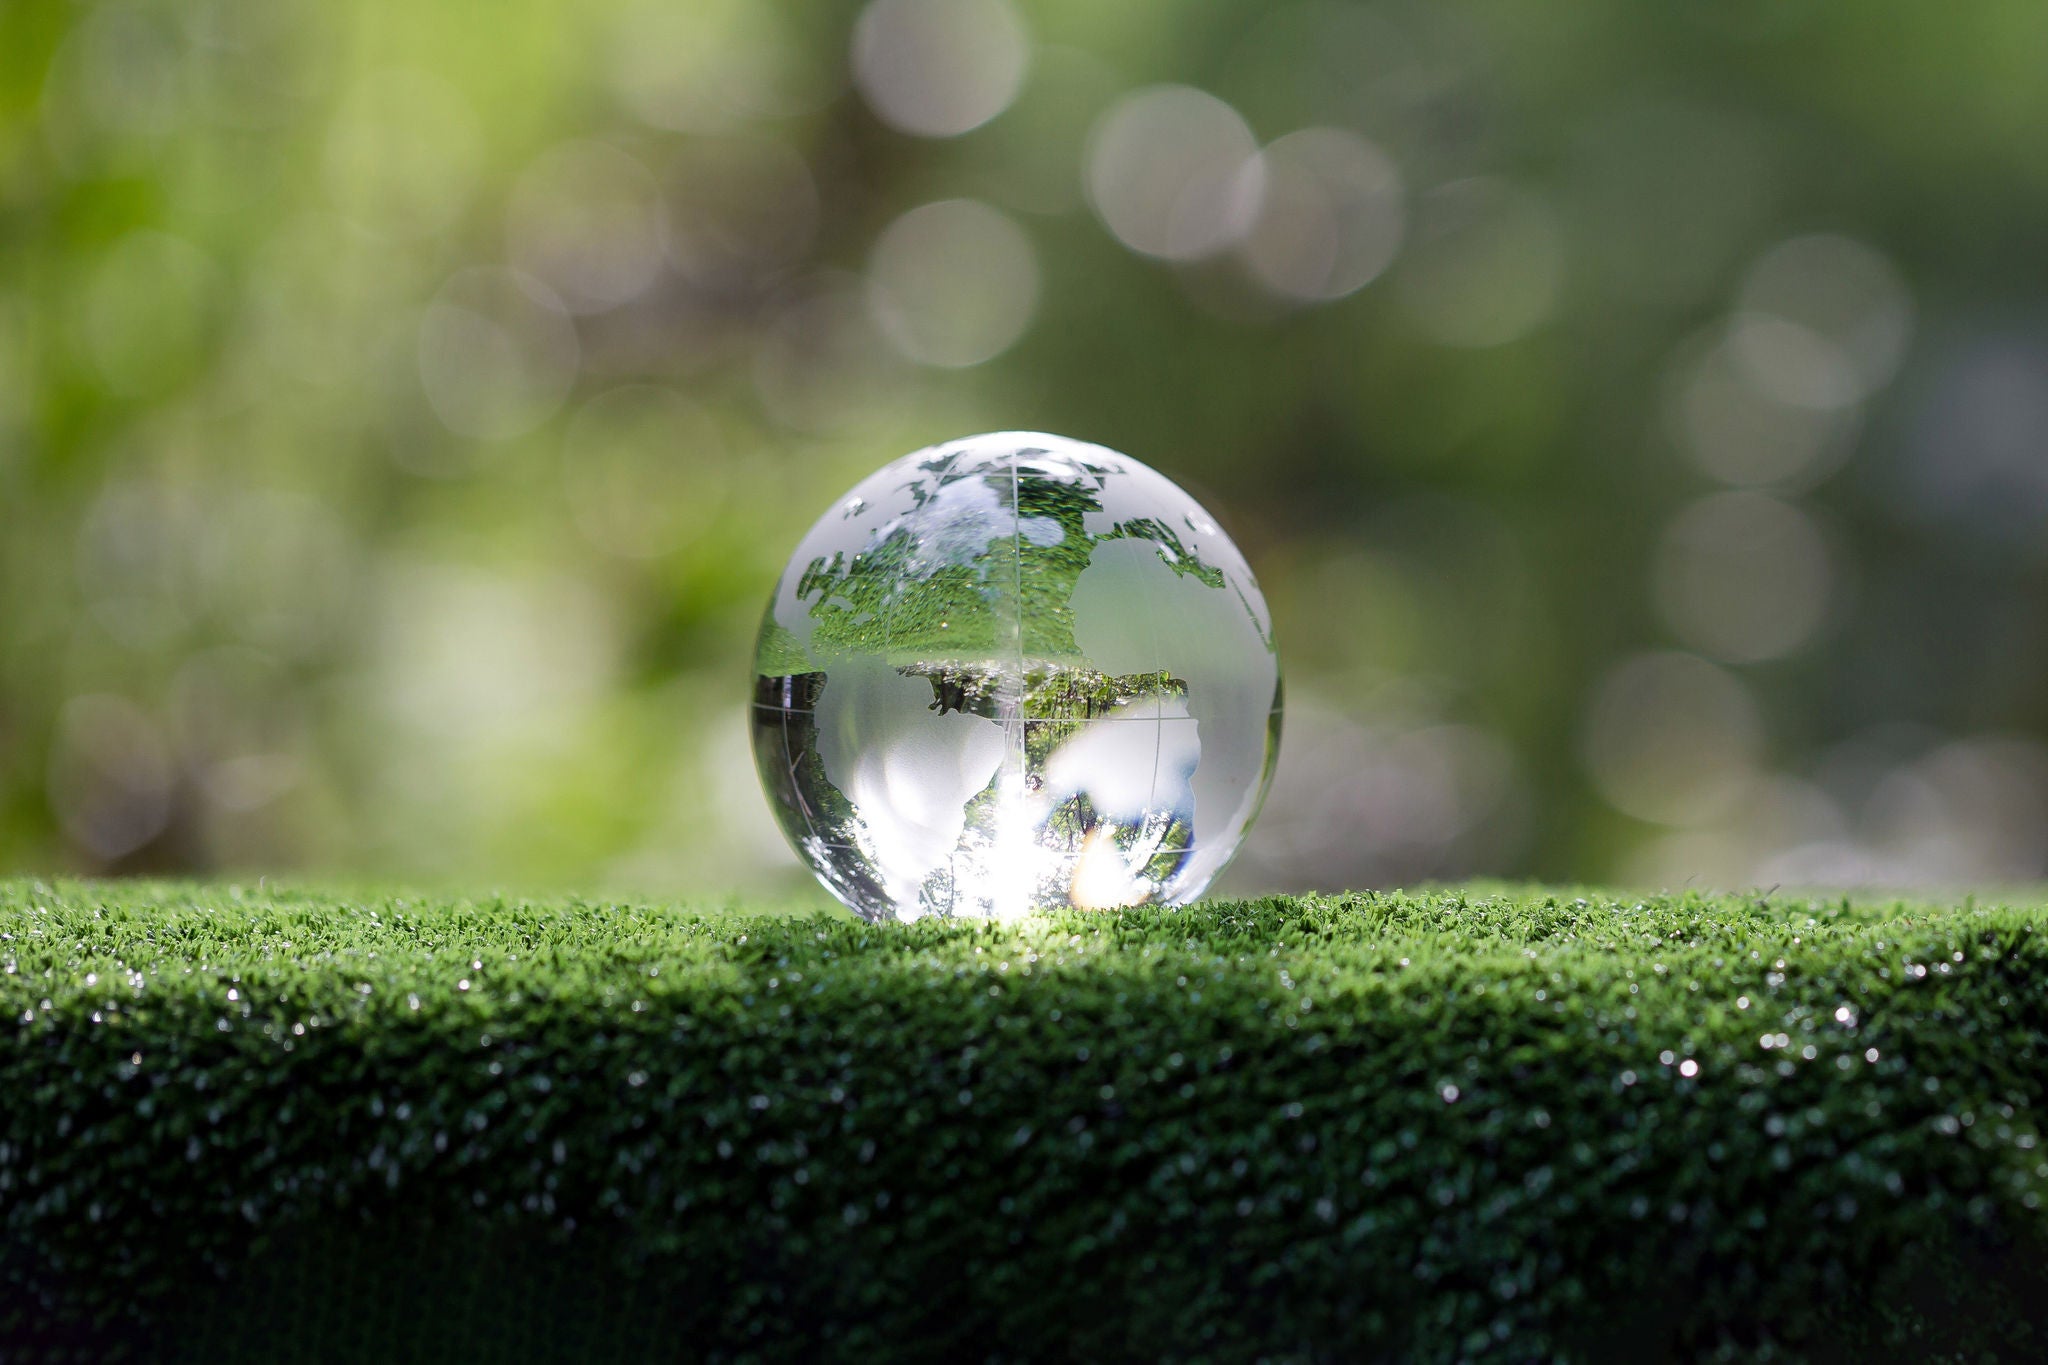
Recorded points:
(587,219)
(1743,577)
(939,68)
(1330,218)
(953,284)
(1671,739)
(1821,321)
(497,353)
(1173,173)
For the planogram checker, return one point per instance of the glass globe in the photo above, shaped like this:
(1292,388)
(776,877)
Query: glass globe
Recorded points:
(1013,673)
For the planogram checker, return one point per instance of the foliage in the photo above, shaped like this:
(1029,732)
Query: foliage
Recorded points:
(400,432)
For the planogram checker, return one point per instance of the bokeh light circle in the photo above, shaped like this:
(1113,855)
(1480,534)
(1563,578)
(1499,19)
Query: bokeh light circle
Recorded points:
(1173,172)
(939,68)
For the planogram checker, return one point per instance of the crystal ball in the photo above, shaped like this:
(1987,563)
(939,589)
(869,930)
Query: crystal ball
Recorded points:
(1014,673)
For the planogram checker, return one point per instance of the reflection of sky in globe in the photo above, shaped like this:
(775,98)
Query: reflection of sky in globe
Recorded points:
(1015,672)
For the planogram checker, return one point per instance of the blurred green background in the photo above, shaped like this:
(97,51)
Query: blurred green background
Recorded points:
(1637,414)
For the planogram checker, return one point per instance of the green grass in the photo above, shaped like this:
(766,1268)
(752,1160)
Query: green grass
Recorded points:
(1500,1124)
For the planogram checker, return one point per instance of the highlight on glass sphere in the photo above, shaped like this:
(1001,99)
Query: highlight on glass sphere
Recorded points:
(1014,673)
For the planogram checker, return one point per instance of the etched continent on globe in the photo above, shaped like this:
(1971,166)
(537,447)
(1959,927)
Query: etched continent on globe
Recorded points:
(1015,672)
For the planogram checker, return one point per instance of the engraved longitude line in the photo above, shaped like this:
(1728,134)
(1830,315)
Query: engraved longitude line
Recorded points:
(1154,614)
(1017,565)
(796,787)
(1158,743)
(914,529)
(789,762)
(889,603)
(1017,623)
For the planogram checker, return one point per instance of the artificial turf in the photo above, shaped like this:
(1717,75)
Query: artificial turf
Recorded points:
(1488,1124)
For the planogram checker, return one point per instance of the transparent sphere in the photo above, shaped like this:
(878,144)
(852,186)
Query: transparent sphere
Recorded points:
(1012,673)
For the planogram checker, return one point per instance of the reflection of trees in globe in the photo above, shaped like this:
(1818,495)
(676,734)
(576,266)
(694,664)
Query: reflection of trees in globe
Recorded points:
(1015,672)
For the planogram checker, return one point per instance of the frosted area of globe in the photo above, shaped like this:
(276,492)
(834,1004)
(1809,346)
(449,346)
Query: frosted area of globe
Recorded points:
(1013,673)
